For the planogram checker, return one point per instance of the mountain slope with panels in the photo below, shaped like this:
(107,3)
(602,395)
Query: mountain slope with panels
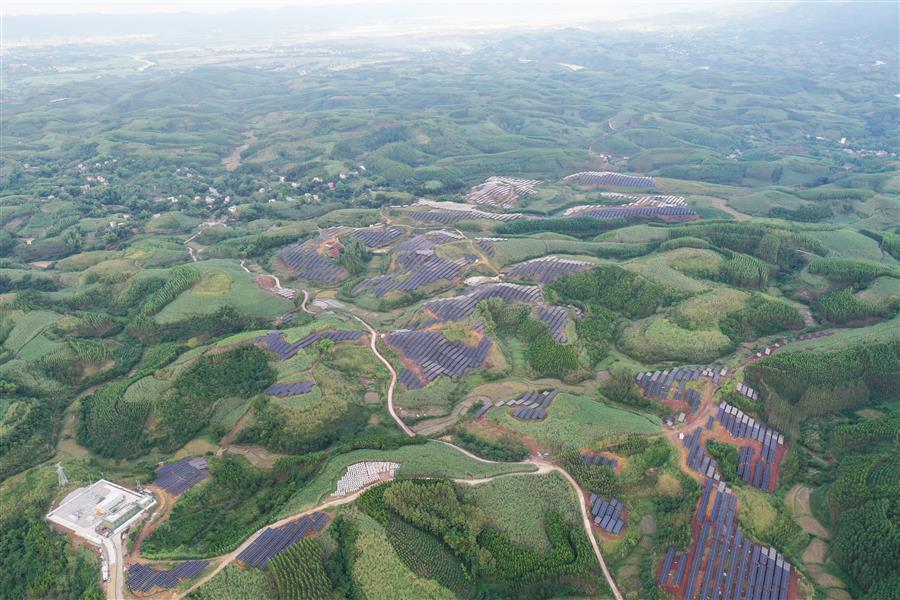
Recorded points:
(608,178)
(144,578)
(376,236)
(275,342)
(501,192)
(429,355)
(722,561)
(416,264)
(450,213)
(315,260)
(458,308)
(548,269)
(275,540)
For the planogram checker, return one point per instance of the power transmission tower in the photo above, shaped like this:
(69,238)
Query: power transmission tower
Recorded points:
(61,473)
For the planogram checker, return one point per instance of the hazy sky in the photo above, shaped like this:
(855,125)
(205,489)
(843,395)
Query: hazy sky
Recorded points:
(612,9)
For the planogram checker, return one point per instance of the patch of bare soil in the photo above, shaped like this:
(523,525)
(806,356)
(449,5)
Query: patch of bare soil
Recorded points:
(722,205)
(797,501)
(257,455)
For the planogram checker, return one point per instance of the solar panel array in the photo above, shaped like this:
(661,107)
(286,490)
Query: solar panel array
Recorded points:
(486,245)
(308,264)
(698,459)
(556,318)
(283,390)
(451,217)
(599,460)
(760,473)
(607,514)
(274,540)
(548,268)
(747,391)
(646,199)
(143,578)
(723,562)
(428,241)
(180,476)
(483,409)
(460,307)
(436,355)
(658,384)
(502,192)
(667,213)
(610,178)
(529,414)
(274,341)
(377,235)
(415,271)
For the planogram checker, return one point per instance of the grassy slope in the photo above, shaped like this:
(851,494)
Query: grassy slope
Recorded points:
(379,572)
(576,422)
(223,283)
(504,498)
(430,460)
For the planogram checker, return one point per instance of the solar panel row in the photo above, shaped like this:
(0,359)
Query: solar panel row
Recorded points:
(607,514)
(283,390)
(308,264)
(415,271)
(698,459)
(548,268)
(673,213)
(451,217)
(556,318)
(278,539)
(501,191)
(598,459)
(436,355)
(486,246)
(274,341)
(610,178)
(658,384)
(143,578)
(723,562)
(459,307)
(180,476)
(377,236)
(529,414)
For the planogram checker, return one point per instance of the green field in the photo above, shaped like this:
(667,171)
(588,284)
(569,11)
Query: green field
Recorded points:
(667,268)
(380,574)
(223,283)
(658,339)
(28,325)
(518,504)
(234,581)
(576,422)
(709,308)
(433,459)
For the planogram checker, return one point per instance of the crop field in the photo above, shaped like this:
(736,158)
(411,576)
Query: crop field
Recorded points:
(668,268)
(378,571)
(433,459)
(881,292)
(658,339)
(576,422)
(223,283)
(147,390)
(28,325)
(38,346)
(517,505)
(518,250)
(851,244)
(234,581)
(708,308)
(843,338)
